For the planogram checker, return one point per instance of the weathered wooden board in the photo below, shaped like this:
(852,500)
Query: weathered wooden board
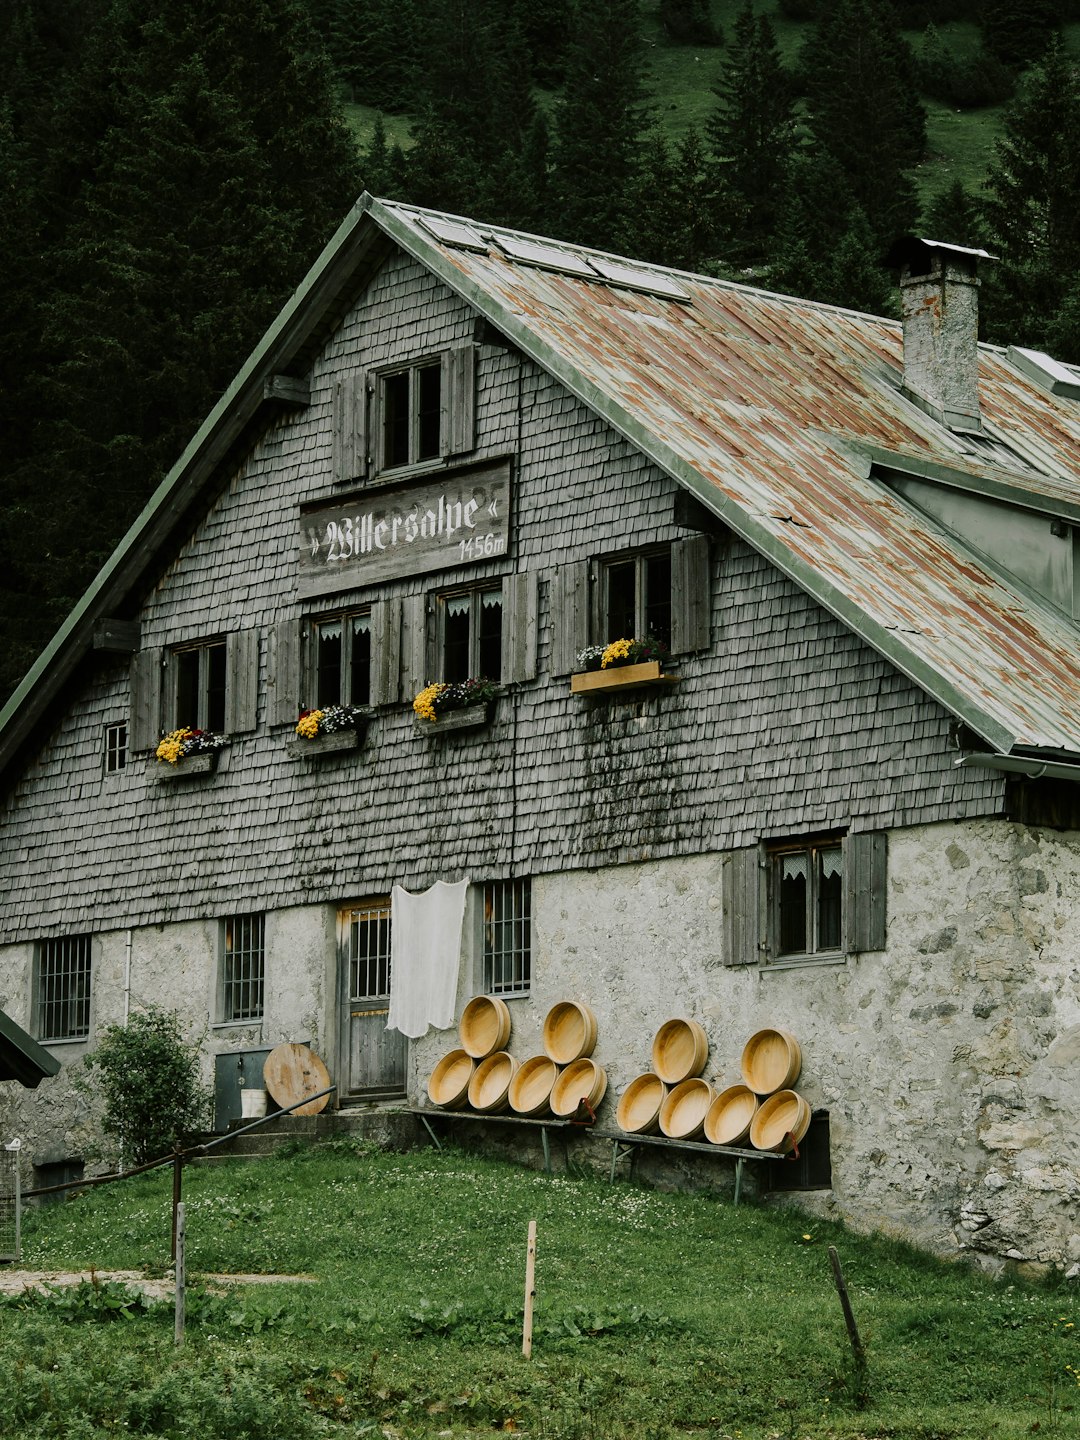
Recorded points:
(293,1071)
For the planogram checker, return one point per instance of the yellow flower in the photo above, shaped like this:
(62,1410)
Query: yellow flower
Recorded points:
(617,650)
(171,749)
(424,704)
(308,726)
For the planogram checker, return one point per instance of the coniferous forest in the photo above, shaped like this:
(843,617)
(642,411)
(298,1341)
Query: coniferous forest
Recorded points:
(170,171)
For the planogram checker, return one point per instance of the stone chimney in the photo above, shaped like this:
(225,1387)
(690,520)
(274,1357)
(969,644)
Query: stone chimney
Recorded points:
(939,293)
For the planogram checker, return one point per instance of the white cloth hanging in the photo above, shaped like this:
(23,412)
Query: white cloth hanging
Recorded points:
(425,957)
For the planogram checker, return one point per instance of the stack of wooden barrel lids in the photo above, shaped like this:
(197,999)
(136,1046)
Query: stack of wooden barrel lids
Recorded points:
(484,1076)
(673,1098)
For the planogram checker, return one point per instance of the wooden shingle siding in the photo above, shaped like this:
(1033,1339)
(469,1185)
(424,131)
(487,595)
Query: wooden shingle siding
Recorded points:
(691,595)
(386,679)
(570,608)
(144,723)
(520,617)
(791,725)
(742,896)
(865,877)
(349,428)
(241,681)
(286,696)
(459,390)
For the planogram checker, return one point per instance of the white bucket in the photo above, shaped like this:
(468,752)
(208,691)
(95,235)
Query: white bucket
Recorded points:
(252,1104)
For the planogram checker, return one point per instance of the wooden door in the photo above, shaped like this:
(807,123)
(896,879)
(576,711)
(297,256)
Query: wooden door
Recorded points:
(375,1056)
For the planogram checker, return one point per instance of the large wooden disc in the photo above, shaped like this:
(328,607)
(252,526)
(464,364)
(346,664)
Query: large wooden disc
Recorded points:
(293,1071)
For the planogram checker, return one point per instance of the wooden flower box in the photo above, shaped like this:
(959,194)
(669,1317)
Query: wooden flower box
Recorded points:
(187,768)
(336,743)
(472,717)
(620,677)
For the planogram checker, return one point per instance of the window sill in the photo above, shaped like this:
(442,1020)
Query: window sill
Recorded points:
(338,742)
(254,1024)
(803,962)
(185,769)
(472,717)
(620,677)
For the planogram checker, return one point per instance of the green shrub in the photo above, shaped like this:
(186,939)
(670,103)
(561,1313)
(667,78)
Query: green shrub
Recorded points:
(148,1078)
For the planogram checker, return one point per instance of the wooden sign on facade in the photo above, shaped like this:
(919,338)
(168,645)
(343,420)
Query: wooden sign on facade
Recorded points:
(450,521)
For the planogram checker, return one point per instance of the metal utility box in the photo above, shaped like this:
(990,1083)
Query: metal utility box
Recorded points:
(235,1071)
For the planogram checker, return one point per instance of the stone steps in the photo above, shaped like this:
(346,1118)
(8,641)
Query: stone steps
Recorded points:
(383,1120)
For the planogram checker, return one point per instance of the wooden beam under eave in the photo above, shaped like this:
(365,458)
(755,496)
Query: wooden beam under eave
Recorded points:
(118,637)
(287,390)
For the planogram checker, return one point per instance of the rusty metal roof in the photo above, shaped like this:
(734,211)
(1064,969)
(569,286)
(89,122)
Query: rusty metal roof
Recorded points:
(772,410)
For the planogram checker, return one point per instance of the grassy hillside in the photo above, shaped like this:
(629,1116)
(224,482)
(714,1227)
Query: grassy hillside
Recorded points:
(657,1316)
(682,78)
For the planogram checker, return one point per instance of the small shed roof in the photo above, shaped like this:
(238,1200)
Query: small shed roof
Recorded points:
(21,1057)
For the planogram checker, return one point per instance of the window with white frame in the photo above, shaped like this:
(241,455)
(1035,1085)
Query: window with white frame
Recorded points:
(470,634)
(340,659)
(410,409)
(116,747)
(199,683)
(635,597)
(243,967)
(806,892)
(507,937)
(62,981)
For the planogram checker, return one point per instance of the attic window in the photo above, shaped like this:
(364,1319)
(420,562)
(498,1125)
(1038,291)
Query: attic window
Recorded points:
(453,232)
(546,257)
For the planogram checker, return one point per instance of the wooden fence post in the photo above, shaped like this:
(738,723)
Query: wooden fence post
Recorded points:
(530,1291)
(180,1273)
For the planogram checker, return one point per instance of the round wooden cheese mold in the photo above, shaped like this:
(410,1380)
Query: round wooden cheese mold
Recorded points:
(530,1089)
(730,1114)
(582,1079)
(484,1027)
(780,1123)
(679,1051)
(569,1032)
(292,1072)
(490,1085)
(771,1061)
(682,1115)
(638,1110)
(448,1083)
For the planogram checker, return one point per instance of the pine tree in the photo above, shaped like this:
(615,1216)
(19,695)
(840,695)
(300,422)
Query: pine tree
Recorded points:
(751,137)
(689,22)
(1032,204)
(863,109)
(202,163)
(598,123)
(954,216)
(1018,32)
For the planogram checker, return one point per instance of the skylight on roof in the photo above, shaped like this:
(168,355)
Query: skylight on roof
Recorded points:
(547,257)
(452,232)
(1051,374)
(631,278)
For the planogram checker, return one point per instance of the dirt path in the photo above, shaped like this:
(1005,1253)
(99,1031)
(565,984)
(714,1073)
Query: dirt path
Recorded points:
(13,1282)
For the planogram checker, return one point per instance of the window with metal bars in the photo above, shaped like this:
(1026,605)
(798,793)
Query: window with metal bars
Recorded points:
(507,937)
(367,942)
(243,967)
(63,988)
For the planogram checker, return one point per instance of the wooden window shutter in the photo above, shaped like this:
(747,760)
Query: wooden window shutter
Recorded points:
(145,718)
(570,616)
(241,681)
(350,427)
(520,602)
(385,652)
(691,594)
(459,390)
(742,901)
(865,876)
(415,662)
(285,706)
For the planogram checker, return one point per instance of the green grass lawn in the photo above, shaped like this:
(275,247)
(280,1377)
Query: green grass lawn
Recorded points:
(656,1316)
